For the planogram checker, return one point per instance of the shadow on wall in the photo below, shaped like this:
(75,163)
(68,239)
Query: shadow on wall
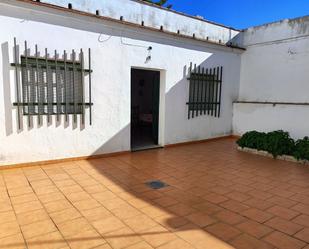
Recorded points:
(8,103)
(116,142)
(175,103)
(204,125)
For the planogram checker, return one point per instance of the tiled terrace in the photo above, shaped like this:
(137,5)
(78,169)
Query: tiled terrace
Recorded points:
(218,198)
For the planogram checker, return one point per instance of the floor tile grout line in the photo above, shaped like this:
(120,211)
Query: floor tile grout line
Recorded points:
(185,180)
(47,211)
(300,238)
(76,210)
(158,224)
(25,242)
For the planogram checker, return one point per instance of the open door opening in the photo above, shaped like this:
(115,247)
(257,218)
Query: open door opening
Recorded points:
(145,89)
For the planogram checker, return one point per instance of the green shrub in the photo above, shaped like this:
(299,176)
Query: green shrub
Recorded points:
(301,151)
(279,143)
(276,142)
(251,139)
(261,142)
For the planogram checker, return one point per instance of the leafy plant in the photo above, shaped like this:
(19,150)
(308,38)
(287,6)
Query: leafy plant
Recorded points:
(160,3)
(251,139)
(301,151)
(279,143)
(276,142)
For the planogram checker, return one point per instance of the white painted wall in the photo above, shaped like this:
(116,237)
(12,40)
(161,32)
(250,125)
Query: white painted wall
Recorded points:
(112,61)
(137,11)
(266,118)
(274,69)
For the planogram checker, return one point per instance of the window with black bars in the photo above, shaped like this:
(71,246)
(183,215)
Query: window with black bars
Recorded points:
(47,90)
(204,91)
(52,84)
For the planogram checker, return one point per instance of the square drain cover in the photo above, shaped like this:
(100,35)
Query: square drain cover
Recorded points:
(156,184)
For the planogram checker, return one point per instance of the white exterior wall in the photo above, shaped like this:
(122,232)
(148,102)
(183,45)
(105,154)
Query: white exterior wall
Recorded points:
(111,63)
(274,69)
(266,118)
(136,12)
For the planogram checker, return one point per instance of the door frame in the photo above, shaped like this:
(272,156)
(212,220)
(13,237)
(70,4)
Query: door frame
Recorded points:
(161,115)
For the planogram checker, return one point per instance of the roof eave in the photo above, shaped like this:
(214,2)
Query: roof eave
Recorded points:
(124,22)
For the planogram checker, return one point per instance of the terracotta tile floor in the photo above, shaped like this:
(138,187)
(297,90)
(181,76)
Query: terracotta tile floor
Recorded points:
(217,198)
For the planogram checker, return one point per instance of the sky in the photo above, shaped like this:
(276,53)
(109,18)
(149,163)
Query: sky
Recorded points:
(242,14)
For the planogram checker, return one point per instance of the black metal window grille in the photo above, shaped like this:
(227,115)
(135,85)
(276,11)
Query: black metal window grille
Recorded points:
(48,86)
(52,86)
(204,91)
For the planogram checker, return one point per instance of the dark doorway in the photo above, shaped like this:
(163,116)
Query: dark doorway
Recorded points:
(145,89)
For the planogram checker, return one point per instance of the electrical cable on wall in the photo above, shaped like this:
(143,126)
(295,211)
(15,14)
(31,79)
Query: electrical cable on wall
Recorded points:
(101,41)
(122,42)
(284,40)
(149,48)
(131,44)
